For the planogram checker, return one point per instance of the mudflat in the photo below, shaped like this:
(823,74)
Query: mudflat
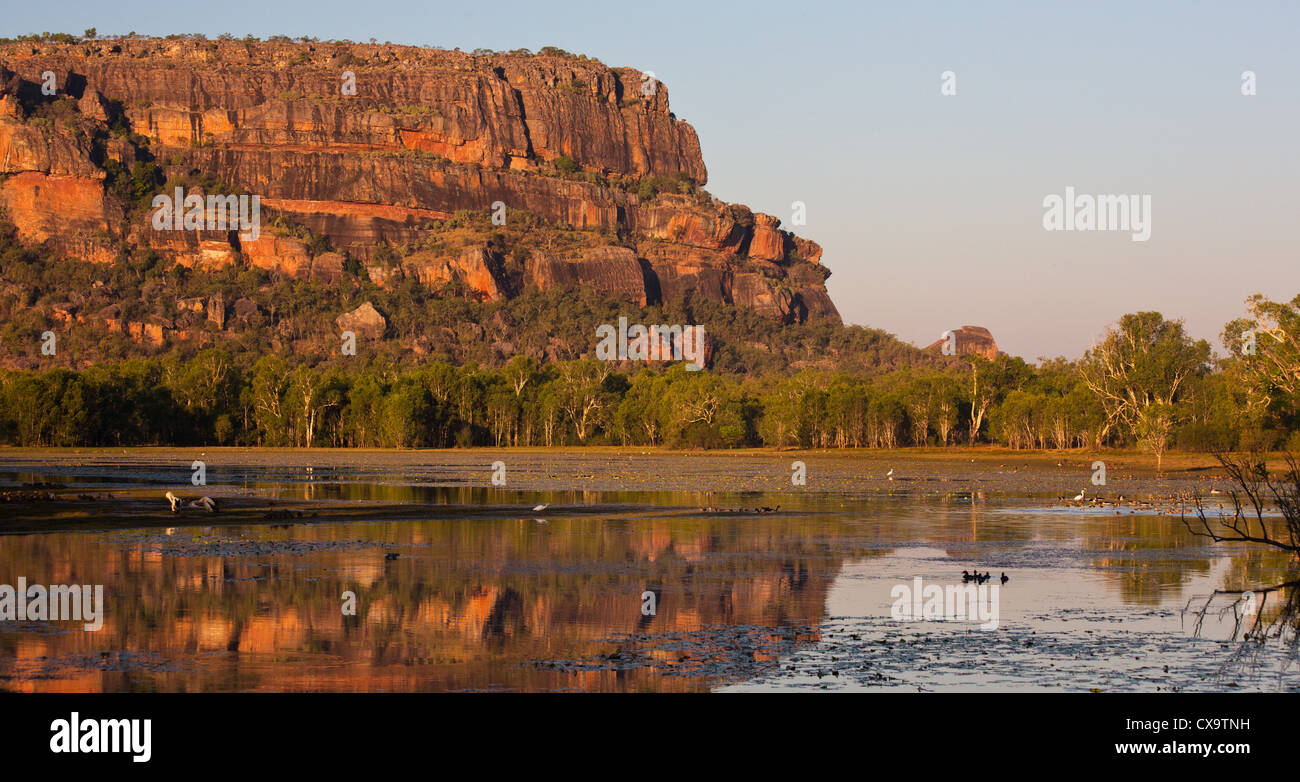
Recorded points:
(113,487)
(637,469)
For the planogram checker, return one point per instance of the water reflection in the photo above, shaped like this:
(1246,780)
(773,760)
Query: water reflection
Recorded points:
(505,602)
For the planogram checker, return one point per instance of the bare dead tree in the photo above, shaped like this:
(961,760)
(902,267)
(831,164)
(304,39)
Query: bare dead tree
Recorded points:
(1257,492)
(1264,613)
(1253,618)
(1258,616)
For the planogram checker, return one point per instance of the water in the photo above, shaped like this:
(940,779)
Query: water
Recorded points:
(484,594)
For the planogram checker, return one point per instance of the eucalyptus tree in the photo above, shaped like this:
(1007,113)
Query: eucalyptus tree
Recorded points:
(1266,350)
(990,381)
(1138,371)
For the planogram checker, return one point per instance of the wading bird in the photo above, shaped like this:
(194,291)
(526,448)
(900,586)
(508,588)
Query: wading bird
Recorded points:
(541,508)
(203,503)
(1079,496)
(1004,578)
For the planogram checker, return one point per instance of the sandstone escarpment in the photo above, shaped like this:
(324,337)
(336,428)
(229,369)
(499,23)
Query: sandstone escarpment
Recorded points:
(375,149)
(51,186)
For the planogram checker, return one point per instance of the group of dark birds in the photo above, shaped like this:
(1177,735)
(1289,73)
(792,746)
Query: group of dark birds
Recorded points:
(980,578)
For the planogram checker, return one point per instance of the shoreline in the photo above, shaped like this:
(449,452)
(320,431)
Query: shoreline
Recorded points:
(256,485)
(1184,458)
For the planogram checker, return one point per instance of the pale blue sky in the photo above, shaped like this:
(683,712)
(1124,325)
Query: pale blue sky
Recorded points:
(929,207)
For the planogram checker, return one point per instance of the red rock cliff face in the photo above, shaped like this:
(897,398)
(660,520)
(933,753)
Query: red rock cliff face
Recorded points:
(425,134)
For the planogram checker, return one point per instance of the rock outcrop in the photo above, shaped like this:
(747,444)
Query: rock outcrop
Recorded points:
(364,321)
(614,271)
(474,267)
(374,149)
(968,340)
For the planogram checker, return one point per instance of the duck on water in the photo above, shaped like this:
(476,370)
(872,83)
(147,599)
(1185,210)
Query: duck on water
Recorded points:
(980,578)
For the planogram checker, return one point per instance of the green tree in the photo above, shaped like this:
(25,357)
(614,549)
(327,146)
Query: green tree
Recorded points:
(582,395)
(989,382)
(271,409)
(404,416)
(1155,424)
(1143,361)
(641,416)
(1265,350)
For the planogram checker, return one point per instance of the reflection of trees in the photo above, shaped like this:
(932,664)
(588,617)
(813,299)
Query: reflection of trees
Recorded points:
(506,617)
(1260,617)
(1141,556)
(1139,553)
(1260,614)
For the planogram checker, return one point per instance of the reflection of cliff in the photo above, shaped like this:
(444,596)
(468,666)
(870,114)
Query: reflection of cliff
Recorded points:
(471,603)
(467,605)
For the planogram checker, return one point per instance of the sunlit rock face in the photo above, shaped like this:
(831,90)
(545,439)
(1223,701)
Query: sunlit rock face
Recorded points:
(613,271)
(374,148)
(969,340)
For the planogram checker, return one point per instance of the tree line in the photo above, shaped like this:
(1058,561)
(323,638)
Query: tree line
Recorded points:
(1146,383)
